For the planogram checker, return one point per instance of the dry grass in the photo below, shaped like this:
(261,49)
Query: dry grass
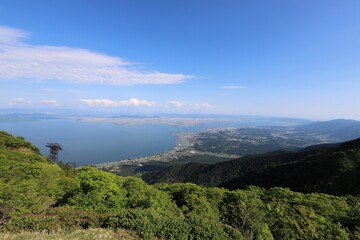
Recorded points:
(23,150)
(76,235)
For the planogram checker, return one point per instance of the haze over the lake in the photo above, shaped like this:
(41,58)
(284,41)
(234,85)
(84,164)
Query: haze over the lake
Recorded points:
(270,58)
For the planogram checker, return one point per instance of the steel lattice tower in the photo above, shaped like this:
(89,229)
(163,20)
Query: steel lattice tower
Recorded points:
(54,150)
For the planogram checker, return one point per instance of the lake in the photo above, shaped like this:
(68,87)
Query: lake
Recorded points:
(100,142)
(90,143)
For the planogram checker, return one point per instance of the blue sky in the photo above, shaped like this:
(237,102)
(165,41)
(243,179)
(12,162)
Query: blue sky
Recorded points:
(273,58)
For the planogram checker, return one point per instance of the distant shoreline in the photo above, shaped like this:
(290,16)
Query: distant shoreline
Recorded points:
(184,146)
(176,122)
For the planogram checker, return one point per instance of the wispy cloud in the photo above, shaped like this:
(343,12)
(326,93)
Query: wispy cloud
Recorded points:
(233,87)
(176,104)
(50,102)
(187,106)
(66,91)
(134,102)
(21,60)
(12,36)
(19,101)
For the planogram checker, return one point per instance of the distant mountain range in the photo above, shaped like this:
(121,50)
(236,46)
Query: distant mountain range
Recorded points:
(339,128)
(14,114)
(21,117)
(327,168)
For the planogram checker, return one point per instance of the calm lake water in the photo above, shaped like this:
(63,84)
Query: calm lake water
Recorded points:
(89,143)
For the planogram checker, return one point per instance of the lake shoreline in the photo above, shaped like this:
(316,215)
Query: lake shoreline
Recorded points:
(184,147)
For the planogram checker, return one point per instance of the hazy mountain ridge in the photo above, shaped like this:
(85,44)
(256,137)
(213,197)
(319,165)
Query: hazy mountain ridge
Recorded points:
(343,129)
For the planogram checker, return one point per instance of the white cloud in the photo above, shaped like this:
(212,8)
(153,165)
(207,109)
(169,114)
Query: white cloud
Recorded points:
(19,101)
(233,87)
(11,36)
(198,106)
(177,104)
(134,102)
(50,101)
(187,106)
(21,60)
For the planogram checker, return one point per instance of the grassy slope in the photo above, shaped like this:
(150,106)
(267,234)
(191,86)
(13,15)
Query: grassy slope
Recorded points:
(89,234)
(30,184)
(28,181)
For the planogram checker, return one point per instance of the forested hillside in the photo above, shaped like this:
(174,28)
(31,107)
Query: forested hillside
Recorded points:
(37,197)
(335,171)
(217,174)
(326,168)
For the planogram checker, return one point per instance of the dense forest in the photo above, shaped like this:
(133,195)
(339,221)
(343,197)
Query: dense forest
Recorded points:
(37,195)
(326,168)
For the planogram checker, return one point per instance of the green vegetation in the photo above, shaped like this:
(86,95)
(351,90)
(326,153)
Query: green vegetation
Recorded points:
(47,203)
(217,174)
(327,168)
(154,166)
(28,182)
(334,171)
